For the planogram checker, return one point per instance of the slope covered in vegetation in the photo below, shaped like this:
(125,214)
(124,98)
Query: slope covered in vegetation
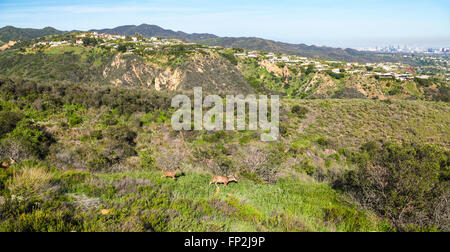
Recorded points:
(89,158)
(86,135)
(10,33)
(182,68)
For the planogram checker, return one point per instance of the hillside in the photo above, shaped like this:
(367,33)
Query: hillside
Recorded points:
(212,72)
(92,159)
(312,51)
(155,31)
(215,71)
(348,55)
(10,33)
(86,135)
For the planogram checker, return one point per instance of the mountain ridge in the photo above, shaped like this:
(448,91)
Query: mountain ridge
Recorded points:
(250,43)
(154,30)
(11,33)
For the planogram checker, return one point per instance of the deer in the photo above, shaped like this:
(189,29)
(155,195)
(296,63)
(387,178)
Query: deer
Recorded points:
(8,164)
(223,180)
(172,174)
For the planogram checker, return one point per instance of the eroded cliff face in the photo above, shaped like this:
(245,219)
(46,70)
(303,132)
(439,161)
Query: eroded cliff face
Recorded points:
(127,69)
(7,45)
(211,72)
(322,86)
(214,74)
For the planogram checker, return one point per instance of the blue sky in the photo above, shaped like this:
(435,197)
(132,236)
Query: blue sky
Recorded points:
(340,23)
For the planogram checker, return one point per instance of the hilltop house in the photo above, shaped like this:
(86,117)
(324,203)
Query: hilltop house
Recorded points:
(336,71)
(384,75)
(423,77)
(253,54)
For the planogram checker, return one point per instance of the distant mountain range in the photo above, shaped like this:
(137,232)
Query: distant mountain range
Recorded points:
(10,33)
(155,31)
(251,43)
(348,55)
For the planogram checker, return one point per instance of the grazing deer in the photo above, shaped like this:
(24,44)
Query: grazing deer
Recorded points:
(223,180)
(8,164)
(172,174)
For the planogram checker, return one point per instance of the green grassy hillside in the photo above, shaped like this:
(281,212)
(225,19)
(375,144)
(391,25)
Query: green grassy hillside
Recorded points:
(90,157)
(182,69)
(348,123)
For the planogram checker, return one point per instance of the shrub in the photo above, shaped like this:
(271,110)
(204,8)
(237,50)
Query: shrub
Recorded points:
(121,134)
(5,175)
(147,159)
(259,165)
(43,220)
(28,139)
(353,220)
(307,168)
(74,119)
(8,121)
(16,149)
(408,184)
(336,75)
(230,57)
(117,151)
(322,141)
(99,162)
(65,157)
(170,158)
(300,111)
(30,181)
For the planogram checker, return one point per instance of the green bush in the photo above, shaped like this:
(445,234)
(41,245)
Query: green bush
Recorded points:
(230,57)
(147,160)
(29,138)
(307,168)
(122,48)
(45,220)
(8,121)
(5,175)
(74,119)
(300,111)
(99,162)
(408,184)
(121,134)
(352,219)
(322,141)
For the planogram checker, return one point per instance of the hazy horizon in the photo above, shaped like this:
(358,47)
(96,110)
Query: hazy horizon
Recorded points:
(335,23)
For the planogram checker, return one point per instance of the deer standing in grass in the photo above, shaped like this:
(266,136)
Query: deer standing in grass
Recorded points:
(8,164)
(172,174)
(223,180)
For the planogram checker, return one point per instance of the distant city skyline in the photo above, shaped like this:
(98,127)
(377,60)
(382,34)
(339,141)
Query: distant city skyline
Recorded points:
(336,23)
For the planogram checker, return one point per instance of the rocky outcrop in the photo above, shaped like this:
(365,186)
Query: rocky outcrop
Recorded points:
(211,72)
(214,74)
(168,79)
(8,45)
(271,68)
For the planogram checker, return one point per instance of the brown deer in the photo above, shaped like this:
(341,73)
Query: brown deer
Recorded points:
(172,174)
(8,164)
(223,180)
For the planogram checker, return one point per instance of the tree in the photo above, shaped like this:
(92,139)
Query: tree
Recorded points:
(122,48)
(310,69)
(89,41)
